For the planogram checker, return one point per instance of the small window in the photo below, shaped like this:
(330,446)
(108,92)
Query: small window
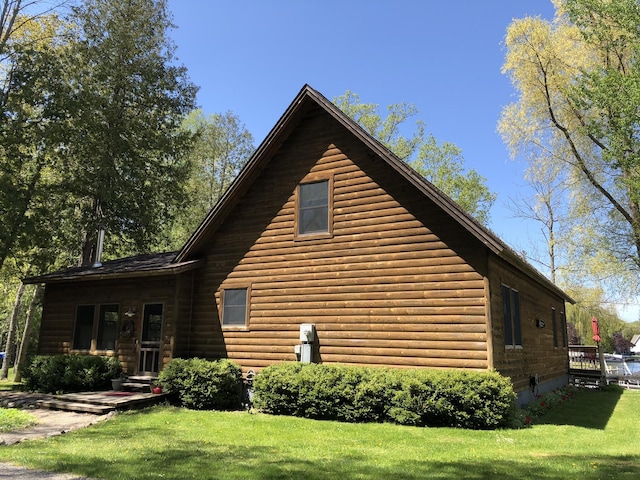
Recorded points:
(234,307)
(83,333)
(554,324)
(313,208)
(563,327)
(511,316)
(107,327)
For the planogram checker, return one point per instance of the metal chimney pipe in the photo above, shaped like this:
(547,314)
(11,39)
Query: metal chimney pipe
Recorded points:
(100,244)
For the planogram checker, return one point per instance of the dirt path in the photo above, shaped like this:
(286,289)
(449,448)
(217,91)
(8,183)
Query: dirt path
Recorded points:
(50,423)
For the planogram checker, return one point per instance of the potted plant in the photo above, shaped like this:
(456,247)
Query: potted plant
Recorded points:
(116,383)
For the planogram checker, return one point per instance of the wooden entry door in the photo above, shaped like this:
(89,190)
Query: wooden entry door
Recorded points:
(150,338)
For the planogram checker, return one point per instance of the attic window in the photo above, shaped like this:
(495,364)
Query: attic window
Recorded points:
(314,208)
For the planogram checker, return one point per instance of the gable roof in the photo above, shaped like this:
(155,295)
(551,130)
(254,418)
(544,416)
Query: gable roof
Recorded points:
(310,98)
(146,265)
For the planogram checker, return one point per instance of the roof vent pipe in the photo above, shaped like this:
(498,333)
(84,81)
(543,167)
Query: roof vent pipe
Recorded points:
(100,244)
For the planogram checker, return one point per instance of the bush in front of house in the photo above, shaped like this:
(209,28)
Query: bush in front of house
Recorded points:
(69,373)
(478,400)
(203,384)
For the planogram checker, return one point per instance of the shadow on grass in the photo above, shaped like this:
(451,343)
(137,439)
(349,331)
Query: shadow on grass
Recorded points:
(225,463)
(591,408)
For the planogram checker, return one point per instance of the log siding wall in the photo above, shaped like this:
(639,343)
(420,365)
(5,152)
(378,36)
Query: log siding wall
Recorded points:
(61,300)
(382,289)
(538,356)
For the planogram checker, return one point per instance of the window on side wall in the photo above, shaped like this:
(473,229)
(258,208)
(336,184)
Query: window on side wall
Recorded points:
(83,332)
(554,324)
(511,316)
(96,334)
(107,327)
(235,307)
(313,212)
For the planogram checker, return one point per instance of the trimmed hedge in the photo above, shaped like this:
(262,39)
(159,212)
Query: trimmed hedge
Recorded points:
(69,373)
(433,398)
(203,384)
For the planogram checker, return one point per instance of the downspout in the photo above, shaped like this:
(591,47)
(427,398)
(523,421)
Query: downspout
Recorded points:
(193,282)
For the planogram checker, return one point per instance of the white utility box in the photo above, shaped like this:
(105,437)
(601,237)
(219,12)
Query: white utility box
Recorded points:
(306,354)
(307,332)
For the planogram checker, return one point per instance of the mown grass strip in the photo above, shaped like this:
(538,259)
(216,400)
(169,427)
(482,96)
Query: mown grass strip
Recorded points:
(596,435)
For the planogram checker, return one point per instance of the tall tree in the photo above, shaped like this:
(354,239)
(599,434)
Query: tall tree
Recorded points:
(125,151)
(31,122)
(222,146)
(578,79)
(11,334)
(546,205)
(440,163)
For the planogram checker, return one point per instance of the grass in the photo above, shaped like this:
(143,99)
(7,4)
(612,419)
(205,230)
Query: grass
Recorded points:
(9,384)
(14,419)
(594,436)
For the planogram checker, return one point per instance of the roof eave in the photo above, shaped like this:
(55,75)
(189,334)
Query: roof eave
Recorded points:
(173,269)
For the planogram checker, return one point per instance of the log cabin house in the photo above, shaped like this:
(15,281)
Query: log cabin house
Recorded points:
(326,248)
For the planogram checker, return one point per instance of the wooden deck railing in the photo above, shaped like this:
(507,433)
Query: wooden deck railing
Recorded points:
(583,357)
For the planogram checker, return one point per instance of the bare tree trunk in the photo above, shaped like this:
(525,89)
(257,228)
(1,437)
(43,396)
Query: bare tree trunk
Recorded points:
(26,335)
(13,323)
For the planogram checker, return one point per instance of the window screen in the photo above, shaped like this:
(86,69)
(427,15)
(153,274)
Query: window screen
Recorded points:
(313,207)
(234,307)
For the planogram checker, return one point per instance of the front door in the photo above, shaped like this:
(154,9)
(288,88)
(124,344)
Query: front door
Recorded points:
(149,361)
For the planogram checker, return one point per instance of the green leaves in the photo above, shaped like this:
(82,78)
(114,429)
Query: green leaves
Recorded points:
(578,81)
(441,164)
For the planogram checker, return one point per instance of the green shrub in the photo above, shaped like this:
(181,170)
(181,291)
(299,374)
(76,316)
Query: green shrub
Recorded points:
(478,400)
(69,373)
(203,384)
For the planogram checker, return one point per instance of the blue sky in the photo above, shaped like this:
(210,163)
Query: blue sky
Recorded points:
(252,57)
(444,56)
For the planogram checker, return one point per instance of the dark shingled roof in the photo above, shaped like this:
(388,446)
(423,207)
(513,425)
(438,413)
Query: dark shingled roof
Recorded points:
(151,264)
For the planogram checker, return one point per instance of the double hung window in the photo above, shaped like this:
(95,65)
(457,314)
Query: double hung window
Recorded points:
(314,208)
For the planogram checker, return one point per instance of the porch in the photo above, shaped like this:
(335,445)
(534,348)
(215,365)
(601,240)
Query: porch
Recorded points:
(97,403)
(585,366)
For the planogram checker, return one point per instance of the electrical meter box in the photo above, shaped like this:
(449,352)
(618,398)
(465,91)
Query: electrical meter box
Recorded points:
(307,332)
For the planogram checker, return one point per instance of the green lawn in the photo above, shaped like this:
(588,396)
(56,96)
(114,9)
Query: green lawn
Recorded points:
(594,436)
(13,419)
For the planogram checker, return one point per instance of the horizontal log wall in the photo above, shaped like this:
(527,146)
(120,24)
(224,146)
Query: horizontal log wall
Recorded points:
(61,301)
(387,288)
(538,356)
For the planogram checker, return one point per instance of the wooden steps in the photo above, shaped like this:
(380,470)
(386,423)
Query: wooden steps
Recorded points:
(138,383)
(101,403)
(79,407)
